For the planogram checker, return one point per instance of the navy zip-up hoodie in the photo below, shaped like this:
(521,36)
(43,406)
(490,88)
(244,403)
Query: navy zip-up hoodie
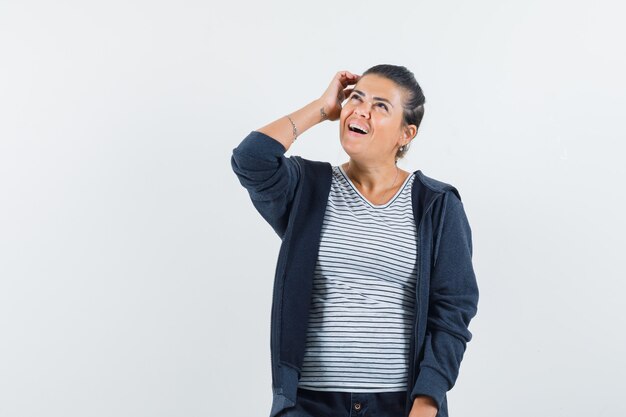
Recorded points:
(291,194)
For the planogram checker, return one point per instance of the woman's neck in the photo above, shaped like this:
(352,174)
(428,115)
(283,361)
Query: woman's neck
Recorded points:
(373,178)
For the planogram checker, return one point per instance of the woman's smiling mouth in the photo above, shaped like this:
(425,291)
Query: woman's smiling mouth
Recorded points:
(357,129)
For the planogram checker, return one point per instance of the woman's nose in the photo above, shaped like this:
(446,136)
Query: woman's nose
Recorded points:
(363,109)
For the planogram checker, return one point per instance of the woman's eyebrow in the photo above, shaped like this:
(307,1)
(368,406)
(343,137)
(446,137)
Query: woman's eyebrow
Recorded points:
(359,92)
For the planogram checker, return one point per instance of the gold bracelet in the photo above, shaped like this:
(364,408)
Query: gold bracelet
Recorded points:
(295,131)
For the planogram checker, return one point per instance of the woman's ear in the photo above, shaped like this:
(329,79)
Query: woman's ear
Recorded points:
(409,132)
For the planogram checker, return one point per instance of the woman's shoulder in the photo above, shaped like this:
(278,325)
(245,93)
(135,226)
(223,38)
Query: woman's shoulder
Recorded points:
(435,184)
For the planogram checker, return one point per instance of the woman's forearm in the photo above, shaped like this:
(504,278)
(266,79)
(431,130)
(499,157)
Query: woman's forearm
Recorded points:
(304,118)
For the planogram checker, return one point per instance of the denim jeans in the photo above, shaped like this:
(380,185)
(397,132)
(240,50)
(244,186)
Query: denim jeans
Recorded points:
(310,403)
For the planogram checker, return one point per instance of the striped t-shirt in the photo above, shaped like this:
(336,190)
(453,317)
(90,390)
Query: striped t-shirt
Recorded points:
(363,298)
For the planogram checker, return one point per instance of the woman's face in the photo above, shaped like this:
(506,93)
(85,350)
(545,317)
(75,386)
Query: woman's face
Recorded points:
(375,105)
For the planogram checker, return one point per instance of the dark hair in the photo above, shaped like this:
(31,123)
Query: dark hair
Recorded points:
(413,107)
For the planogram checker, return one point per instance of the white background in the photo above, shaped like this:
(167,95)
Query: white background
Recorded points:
(135,274)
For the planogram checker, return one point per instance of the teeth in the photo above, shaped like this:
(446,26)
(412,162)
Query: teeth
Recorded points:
(355,126)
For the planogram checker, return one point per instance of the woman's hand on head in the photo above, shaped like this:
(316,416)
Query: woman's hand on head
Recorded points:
(337,92)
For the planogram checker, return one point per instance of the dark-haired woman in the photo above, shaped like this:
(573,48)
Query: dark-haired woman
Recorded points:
(374,287)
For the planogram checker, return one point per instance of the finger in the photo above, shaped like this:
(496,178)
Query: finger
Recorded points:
(347,80)
(346,75)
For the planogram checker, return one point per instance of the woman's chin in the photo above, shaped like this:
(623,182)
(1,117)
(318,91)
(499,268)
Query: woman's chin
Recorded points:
(351,147)
(353,138)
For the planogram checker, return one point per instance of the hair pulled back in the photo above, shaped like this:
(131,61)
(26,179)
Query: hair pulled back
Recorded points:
(413,106)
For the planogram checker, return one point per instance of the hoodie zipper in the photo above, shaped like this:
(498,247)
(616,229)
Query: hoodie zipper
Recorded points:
(413,361)
(272,341)
(418,304)
(278,292)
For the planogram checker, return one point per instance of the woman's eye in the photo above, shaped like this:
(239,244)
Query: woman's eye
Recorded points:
(357,97)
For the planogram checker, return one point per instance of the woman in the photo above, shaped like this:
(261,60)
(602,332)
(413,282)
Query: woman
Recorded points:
(374,287)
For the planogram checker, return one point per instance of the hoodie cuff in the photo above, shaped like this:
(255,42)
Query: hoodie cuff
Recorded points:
(432,383)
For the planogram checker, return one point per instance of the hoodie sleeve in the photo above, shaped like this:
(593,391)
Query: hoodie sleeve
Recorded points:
(453,302)
(269,177)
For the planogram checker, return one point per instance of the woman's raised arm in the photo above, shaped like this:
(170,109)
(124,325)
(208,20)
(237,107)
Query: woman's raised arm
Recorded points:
(260,163)
(283,131)
(327,107)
